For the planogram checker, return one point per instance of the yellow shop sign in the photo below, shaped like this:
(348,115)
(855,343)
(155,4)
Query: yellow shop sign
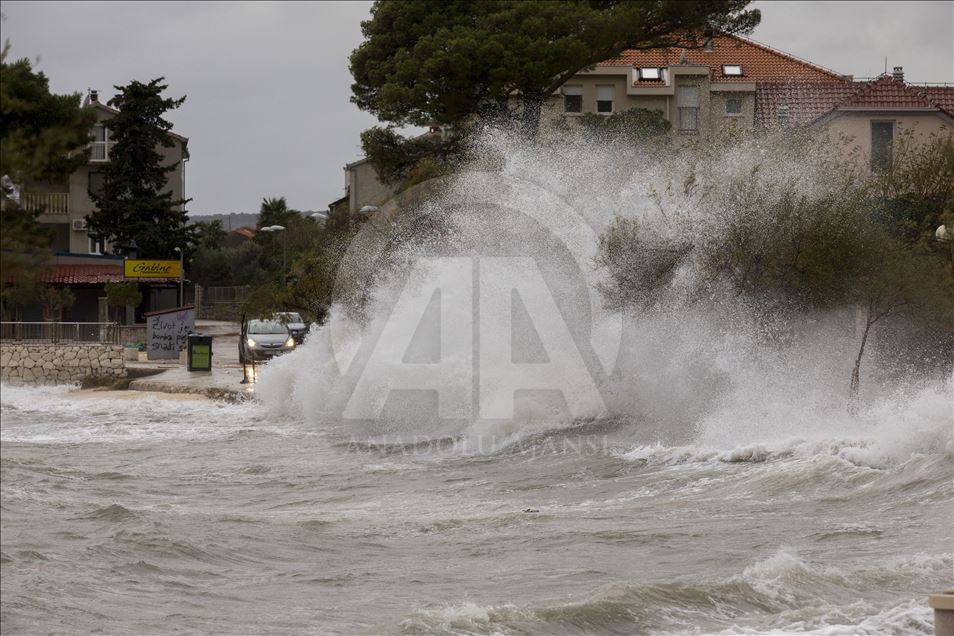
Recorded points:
(135,268)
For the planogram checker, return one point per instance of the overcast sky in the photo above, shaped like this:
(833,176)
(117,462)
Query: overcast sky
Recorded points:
(268,111)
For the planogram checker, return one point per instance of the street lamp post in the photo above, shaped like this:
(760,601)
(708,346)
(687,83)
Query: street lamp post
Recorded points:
(181,276)
(280,228)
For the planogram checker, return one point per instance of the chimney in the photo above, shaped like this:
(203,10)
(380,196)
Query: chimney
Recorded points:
(898,74)
(94,95)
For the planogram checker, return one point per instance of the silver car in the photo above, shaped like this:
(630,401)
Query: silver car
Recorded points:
(264,339)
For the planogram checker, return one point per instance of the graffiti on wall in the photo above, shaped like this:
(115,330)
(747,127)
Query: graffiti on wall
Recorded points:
(167,333)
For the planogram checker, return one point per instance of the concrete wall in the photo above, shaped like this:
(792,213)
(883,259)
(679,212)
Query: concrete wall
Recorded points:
(59,363)
(712,99)
(856,128)
(364,186)
(552,111)
(718,117)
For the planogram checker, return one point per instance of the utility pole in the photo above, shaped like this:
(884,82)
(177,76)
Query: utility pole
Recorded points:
(181,276)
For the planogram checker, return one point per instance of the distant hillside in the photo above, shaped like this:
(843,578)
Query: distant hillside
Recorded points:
(229,221)
(234,221)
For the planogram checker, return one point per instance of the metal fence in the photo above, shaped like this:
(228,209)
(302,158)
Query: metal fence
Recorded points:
(61,332)
(215,295)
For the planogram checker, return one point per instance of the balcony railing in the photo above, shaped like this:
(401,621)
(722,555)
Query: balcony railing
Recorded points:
(47,203)
(62,332)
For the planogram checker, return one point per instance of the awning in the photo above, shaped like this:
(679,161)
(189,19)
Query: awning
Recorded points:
(83,274)
(90,275)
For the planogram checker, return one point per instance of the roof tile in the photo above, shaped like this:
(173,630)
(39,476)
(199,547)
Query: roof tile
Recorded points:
(801,102)
(943,96)
(805,102)
(759,62)
(83,274)
(887,92)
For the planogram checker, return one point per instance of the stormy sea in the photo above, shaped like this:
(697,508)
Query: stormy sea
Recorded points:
(695,469)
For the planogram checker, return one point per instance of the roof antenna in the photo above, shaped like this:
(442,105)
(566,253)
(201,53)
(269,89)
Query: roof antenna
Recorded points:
(885,64)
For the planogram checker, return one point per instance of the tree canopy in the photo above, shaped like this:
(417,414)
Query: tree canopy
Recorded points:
(426,62)
(43,134)
(395,158)
(794,230)
(136,209)
(42,138)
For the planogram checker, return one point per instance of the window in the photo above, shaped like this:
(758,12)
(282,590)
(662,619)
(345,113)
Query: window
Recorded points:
(882,142)
(101,143)
(96,245)
(650,74)
(572,99)
(732,70)
(687,102)
(604,99)
(733,105)
(95,182)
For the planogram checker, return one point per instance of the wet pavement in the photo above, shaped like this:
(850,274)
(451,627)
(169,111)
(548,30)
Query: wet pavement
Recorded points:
(224,381)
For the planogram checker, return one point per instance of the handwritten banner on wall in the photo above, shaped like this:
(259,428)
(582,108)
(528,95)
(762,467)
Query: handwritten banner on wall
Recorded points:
(167,333)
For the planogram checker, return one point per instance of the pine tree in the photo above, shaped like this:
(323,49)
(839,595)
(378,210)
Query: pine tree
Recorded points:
(42,138)
(136,210)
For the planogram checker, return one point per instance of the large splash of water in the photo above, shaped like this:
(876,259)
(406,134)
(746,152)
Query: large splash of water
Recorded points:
(703,365)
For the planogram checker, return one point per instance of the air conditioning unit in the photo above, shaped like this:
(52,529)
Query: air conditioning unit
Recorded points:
(79,225)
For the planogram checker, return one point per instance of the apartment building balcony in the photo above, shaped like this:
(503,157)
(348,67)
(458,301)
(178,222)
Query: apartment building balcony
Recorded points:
(52,203)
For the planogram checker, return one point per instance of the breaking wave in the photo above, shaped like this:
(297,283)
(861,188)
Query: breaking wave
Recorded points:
(780,594)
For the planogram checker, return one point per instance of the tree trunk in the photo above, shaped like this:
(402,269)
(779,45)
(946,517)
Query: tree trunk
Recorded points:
(530,117)
(856,372)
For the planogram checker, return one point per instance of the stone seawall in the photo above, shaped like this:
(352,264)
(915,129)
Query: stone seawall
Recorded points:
(59,363)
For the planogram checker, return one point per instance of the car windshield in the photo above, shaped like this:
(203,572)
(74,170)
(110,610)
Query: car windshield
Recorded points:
(266,326)
(289,316)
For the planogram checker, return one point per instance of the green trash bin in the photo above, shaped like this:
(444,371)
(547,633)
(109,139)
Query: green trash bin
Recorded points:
(200,352)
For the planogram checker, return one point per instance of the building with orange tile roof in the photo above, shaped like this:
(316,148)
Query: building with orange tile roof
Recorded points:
(873,113)
(733,82)
(699,91)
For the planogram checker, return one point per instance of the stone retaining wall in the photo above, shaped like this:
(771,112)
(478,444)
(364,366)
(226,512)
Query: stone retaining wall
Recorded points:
(59,363)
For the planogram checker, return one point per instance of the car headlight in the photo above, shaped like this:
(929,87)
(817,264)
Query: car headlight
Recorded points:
(290,343)
(251,343)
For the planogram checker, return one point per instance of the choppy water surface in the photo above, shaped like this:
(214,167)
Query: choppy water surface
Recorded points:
(730,491)
(146,516)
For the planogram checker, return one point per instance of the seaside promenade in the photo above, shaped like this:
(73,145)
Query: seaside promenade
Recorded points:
(223,382)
